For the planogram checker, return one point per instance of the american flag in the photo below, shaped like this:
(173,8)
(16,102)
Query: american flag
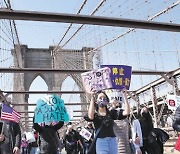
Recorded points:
(8,113)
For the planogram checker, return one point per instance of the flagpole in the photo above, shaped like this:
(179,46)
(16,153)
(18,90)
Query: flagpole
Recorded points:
(2,128)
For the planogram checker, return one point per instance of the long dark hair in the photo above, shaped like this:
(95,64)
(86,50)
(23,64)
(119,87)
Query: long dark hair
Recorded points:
(96,96)
(99,92)
(148,119)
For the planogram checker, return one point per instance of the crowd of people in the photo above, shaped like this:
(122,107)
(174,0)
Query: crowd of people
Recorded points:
(115,131)
(111,130)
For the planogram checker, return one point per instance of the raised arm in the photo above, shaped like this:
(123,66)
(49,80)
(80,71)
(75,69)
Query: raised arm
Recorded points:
(58,125)
(91,107)
(36,126)
(126,111)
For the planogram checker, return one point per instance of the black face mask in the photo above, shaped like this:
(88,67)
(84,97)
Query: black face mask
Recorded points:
(145,114)
(101,105)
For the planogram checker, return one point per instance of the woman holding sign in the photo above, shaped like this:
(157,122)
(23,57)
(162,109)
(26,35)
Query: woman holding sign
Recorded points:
(103,120)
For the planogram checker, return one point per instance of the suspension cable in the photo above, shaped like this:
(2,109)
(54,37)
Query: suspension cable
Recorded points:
(132,29)
(93,12)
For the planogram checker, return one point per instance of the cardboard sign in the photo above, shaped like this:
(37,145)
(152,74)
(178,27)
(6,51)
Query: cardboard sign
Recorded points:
(115,95)
(120,76)
(173,102)
(50,108)
(30,137)
(96,80)
(85,134)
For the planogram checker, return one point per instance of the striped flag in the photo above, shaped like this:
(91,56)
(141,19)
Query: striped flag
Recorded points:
(8,113)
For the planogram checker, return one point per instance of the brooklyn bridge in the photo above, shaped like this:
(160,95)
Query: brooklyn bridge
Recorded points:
(44,48)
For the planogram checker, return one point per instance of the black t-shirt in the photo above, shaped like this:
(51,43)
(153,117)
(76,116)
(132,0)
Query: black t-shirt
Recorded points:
(49,140)
(146,127)
(107,129)
(48,137)
(72,136)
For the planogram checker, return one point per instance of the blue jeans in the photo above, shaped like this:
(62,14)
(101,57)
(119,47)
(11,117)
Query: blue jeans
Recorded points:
(107,145)
(34,150)
(87,145)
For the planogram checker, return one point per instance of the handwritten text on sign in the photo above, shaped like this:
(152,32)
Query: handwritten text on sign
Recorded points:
(96,80)
(115,94)
(120,76)
(50,108)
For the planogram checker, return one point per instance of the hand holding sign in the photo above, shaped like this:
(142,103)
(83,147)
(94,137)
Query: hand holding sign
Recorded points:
(50,108)
(85,134)
(120,76)
(96,80)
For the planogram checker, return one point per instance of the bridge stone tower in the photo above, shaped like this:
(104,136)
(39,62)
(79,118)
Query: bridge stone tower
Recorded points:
(25,57)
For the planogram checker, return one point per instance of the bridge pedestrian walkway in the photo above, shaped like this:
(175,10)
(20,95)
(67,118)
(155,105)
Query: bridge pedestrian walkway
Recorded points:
(167,150)
(168,147)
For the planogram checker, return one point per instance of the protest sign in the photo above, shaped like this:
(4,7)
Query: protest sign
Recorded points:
(96,80)
(30,137)
(50,108)
(85,134)
(173,102)
(120,76)
(114,94)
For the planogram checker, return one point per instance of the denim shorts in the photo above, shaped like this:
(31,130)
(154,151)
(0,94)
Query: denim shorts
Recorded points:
(107,145)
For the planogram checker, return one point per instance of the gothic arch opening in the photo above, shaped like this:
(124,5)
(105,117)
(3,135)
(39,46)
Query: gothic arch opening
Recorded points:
(37,84)
(70,85)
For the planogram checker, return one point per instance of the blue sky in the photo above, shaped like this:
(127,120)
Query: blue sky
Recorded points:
(42,34)
(141,49)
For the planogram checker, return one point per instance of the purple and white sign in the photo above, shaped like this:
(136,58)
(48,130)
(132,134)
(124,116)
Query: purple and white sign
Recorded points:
(120,76)
(97,80)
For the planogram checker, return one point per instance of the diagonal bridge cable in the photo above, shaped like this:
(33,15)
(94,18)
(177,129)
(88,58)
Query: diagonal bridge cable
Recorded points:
(56,48)
(93,12)
(132,29)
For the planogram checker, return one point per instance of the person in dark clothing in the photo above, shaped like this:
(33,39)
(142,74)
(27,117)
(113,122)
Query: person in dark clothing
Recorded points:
(10,137)
(48,137)
(71,140)
(88,142)
(150,144)
(10,140)
(160,136)
(103,120)
(81,147)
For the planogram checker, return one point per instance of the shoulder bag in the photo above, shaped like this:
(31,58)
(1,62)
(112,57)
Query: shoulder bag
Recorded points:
(92,148)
